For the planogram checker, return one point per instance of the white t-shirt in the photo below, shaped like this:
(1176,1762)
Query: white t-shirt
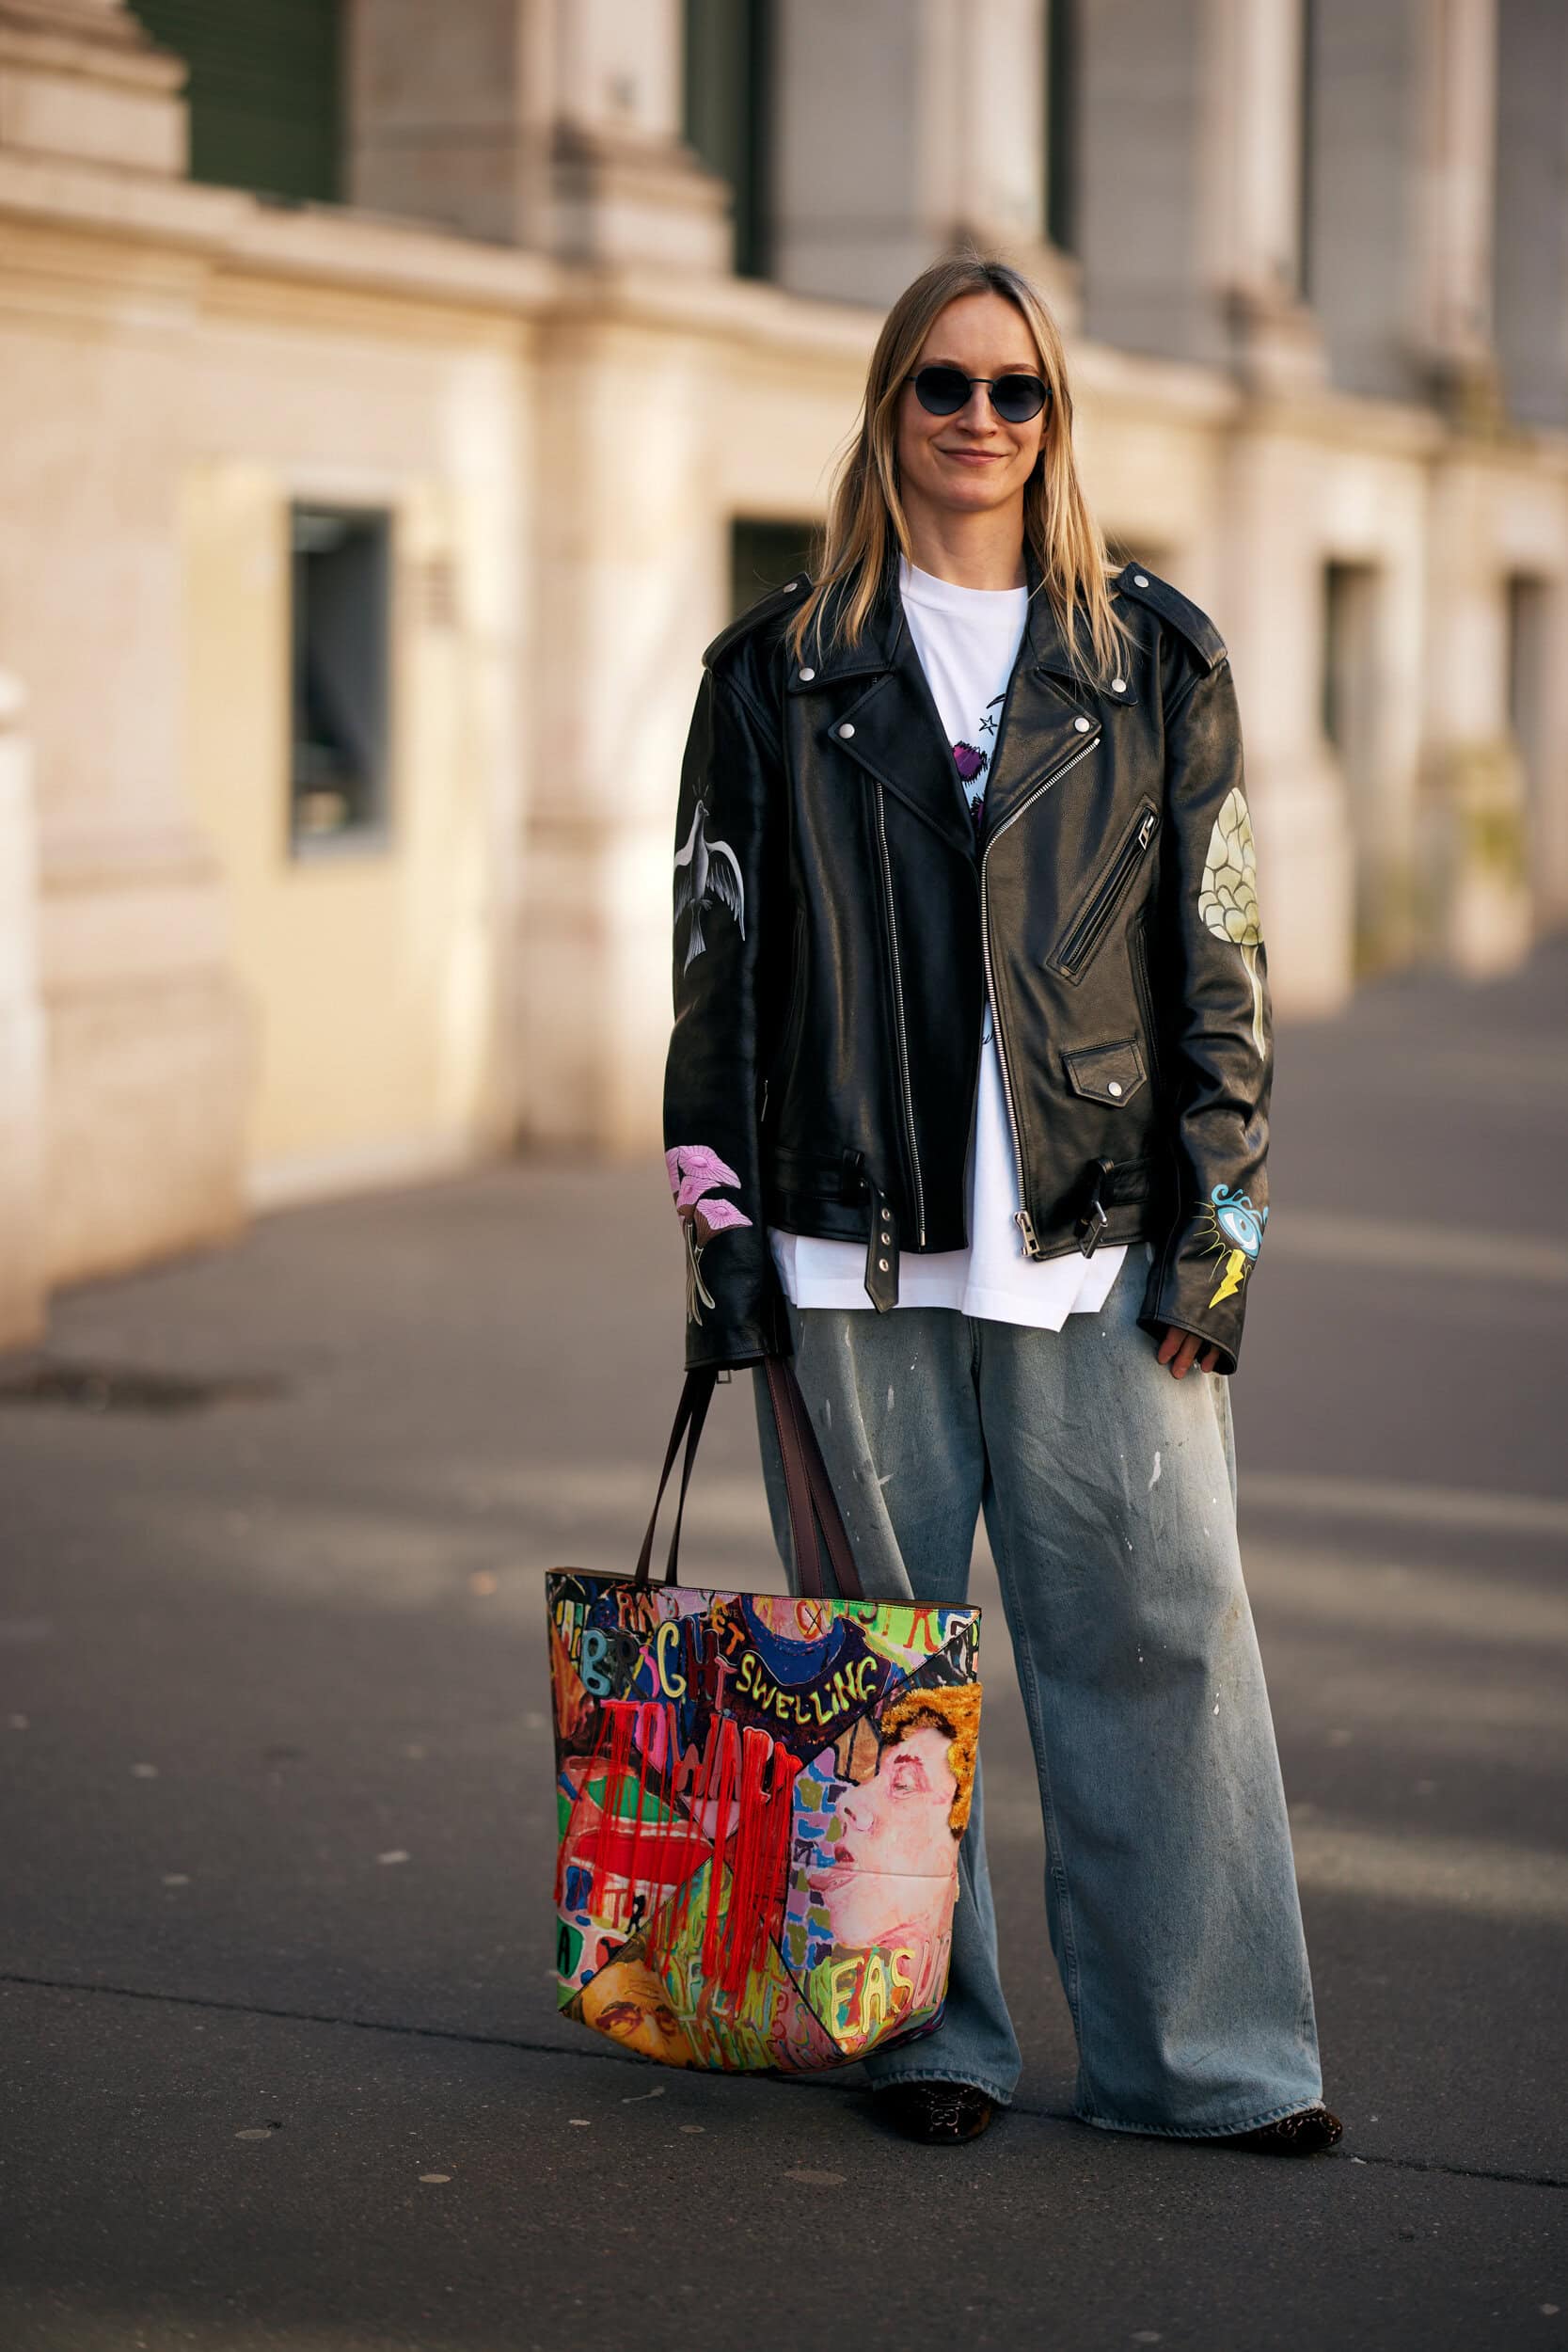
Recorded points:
(968,641)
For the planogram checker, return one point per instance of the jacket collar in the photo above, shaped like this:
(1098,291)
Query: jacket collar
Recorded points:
(891,729)
(886,633)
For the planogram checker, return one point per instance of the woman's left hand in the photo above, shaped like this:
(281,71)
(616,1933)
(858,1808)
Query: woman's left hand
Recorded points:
(1179,1348)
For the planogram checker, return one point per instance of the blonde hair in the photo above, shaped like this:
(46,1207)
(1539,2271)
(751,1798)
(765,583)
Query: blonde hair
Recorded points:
(866,512)
(955,1709)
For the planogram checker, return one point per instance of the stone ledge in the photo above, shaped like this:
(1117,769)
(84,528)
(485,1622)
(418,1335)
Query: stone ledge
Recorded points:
(86,83)
(36,39)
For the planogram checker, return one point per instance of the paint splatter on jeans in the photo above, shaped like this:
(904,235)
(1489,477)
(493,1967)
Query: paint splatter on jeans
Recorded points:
(1170,1887)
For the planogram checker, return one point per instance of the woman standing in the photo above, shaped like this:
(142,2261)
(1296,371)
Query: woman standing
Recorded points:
(971,1041)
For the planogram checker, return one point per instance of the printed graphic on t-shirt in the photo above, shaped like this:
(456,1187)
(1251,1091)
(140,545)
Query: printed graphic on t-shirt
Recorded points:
(972,764)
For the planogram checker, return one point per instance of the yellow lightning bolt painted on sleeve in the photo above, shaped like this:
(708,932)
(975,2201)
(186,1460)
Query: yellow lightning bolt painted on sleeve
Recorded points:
(1235,1266)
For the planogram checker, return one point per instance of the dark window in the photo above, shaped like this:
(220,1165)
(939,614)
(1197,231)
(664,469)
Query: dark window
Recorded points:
(729,56)
(1351,721)
(338,628)
(762,556)
(1061,124)
(265,90)
(1527,651)
(1530,667)
(1347,656)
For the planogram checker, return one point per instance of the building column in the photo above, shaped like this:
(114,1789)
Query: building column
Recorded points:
(549,123)
(145,1047)
(1474,845)
(1250,171)
(81,79)
(902,128)
(631,547)
(1454,172)
(22,1283)
(1529,284)
(1400,199)
(1295,790)
(1190,232)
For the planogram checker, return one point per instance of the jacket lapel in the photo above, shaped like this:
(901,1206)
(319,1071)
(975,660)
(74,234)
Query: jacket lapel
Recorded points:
(897,738)
(1046,697)
(892,730)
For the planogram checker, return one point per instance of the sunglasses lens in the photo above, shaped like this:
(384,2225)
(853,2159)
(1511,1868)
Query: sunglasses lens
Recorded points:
(941,392)
(1017,398)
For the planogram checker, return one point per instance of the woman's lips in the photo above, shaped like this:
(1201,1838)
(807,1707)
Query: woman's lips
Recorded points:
(974,456)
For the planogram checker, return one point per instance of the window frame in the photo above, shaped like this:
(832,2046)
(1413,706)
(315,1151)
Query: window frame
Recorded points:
(373,835)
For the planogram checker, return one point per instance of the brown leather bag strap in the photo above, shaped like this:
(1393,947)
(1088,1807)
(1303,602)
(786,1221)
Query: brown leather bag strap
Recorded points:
(803,1455)
(690,1413)
(808,1489)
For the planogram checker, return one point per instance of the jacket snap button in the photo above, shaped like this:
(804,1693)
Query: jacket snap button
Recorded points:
(847,729)
(808,673)
(789,584)
(1081,725)
(1140,580)
(1114,1087)
(1118,685)
(881,1265)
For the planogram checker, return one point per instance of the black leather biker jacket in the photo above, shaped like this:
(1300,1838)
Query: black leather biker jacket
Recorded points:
(838,920)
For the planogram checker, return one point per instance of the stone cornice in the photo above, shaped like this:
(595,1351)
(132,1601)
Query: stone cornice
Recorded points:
(243,238)
(103,42)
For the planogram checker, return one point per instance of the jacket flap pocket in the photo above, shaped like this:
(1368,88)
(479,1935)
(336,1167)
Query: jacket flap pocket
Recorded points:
(1107,1074)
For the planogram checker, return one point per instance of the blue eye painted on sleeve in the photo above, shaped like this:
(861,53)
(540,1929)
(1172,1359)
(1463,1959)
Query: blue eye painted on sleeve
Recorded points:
(1238,1220)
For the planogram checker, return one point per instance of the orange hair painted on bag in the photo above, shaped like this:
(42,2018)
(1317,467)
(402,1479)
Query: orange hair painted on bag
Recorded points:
(952,1708)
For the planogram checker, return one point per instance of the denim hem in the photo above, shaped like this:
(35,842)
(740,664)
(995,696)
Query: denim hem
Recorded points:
(1208,2131)
(930,2074)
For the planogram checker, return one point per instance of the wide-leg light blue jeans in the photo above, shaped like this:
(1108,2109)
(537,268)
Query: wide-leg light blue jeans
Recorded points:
(1108,1490)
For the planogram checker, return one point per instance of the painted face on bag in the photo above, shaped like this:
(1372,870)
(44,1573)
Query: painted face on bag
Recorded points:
(628,2002)
(893,1864)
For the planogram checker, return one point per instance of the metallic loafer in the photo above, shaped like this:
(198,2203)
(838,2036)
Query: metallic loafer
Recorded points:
(1304,2134)
(939,2113)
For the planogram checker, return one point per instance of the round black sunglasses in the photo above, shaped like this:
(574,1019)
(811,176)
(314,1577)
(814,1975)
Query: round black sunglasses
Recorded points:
(943,391)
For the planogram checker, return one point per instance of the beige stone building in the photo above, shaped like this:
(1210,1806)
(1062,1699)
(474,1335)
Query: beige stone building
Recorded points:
(371,369)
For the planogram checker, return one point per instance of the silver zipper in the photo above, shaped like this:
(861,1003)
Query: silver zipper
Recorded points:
(899,1023)
(1020,1215)
(1082,939)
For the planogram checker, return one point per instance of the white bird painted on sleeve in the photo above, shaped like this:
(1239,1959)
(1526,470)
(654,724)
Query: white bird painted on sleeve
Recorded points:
(706,869)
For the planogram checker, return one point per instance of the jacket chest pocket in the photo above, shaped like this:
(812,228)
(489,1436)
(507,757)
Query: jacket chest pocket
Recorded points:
(1106,1073)
(1092,918)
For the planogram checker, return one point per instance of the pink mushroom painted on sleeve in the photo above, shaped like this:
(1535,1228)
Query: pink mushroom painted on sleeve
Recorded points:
(695,1172)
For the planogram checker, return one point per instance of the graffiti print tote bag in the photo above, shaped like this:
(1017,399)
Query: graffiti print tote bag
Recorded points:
(760,1800)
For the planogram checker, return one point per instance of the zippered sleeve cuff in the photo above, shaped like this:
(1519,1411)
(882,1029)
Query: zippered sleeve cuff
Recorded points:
(1198,1296)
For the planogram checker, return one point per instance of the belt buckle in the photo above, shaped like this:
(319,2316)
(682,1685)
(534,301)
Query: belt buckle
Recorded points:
(1092,1225)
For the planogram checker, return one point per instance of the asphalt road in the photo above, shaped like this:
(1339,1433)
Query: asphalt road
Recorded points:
(281,2064)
